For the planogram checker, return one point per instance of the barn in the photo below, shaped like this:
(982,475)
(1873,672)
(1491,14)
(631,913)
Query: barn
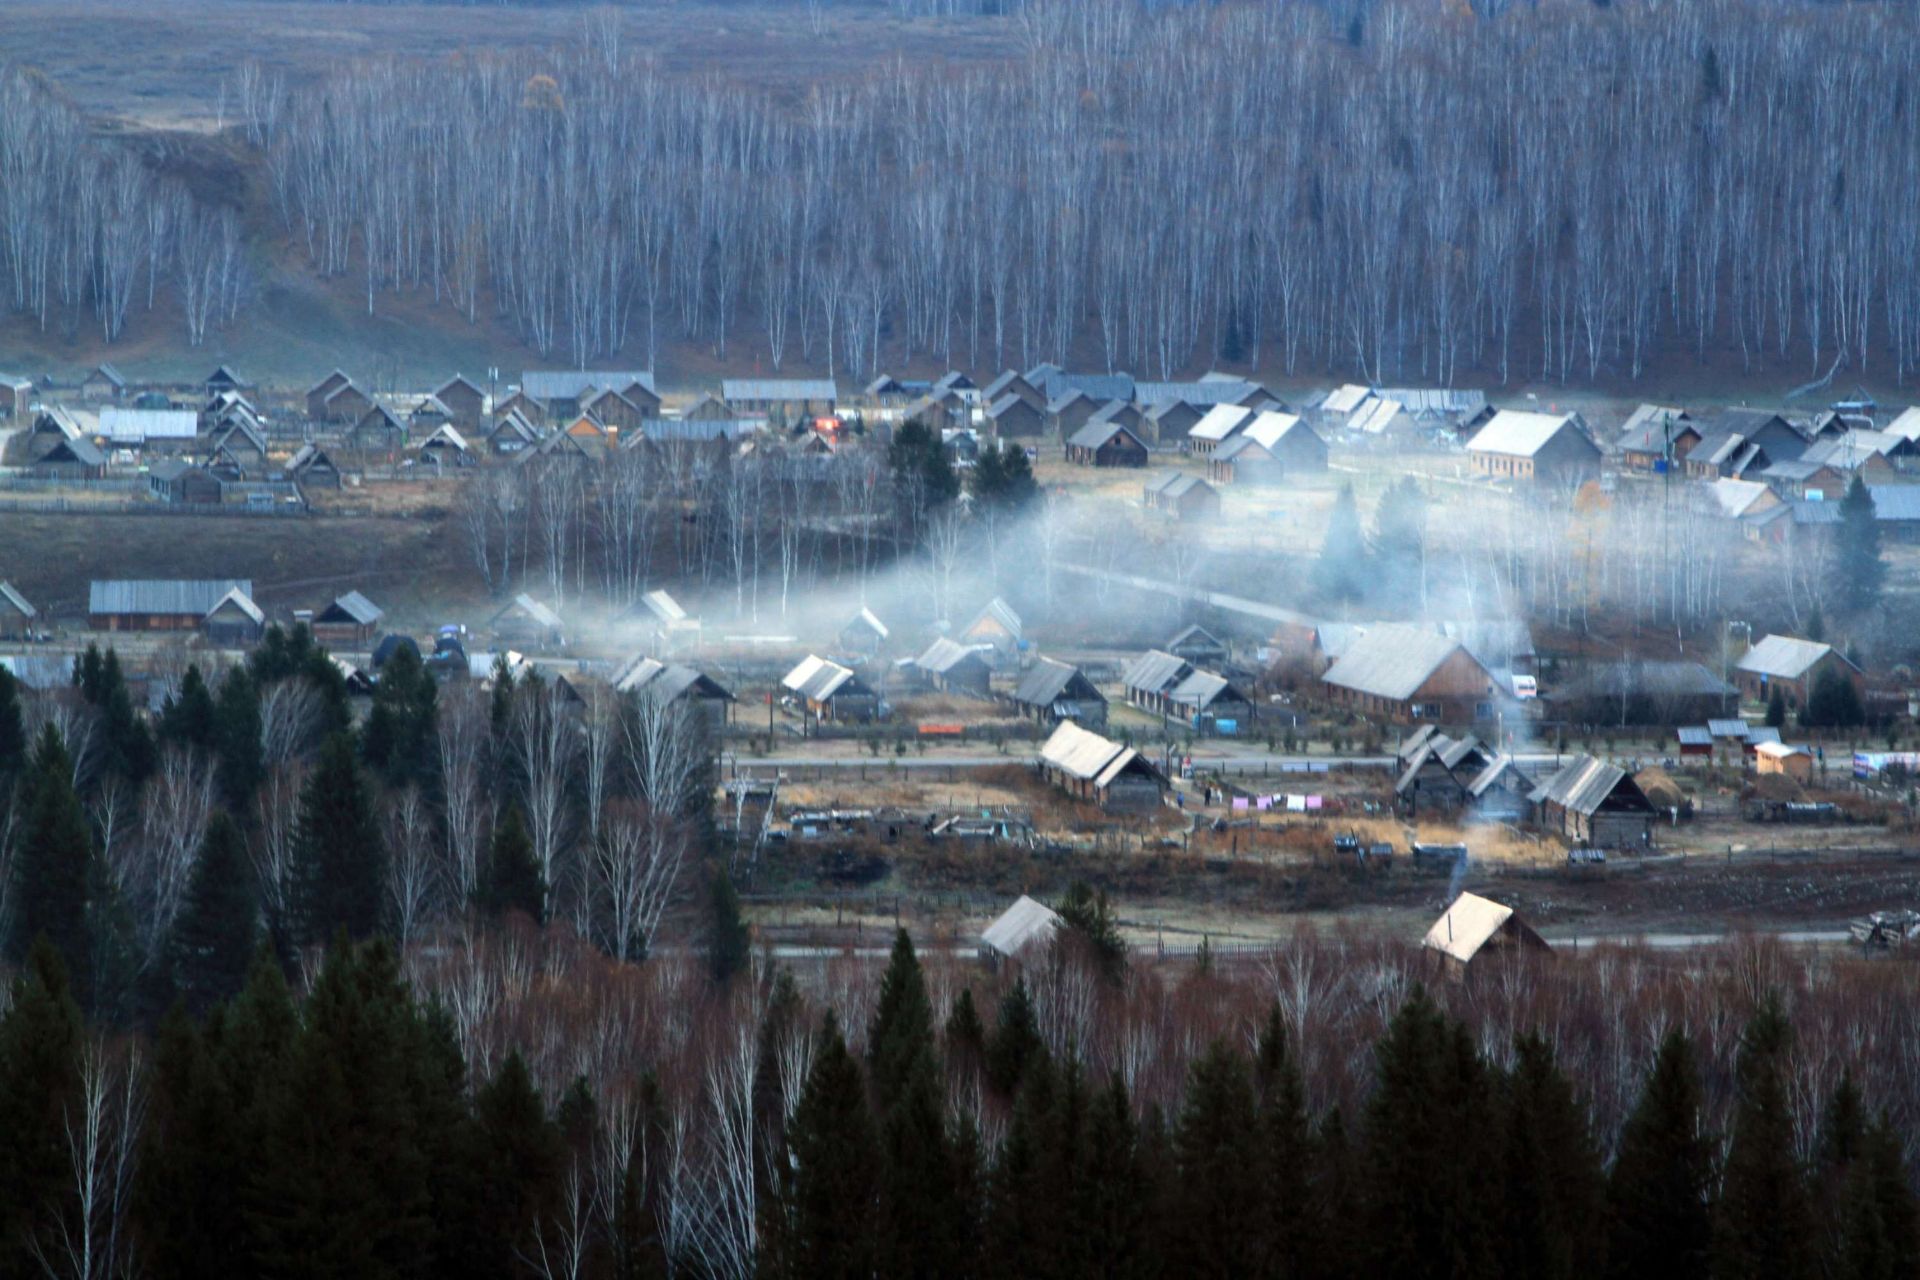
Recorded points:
(1412,675)
(1593,803)
(654,680)
(157,604)
(1473,926)
(1100,771)
(234,620)
(1106,444)
(955,668)
(825,690)
(1791,665)
(347,623)
(1534,448)
(1182,497)
(1051,691)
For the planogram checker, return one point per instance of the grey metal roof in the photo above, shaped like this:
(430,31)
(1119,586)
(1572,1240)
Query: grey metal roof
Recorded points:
(568,384)
(1435,401)
(1391,661)
(12,596)
(1694,735)
(1220,422)
(1026,923)
(1000,386)
(732,389)
(943,655)
(1583,785)
(78,449)
(1043,684)
(999,611)
(1100,386)
(666,681)
(1195,632)
(1176,484)
(1519,434)
(1730,728)
(1497,767)
(820,679)
(1078,752)
(40,670)
(953,380)
(1645,430)
(1203,394)
(1891,502)
(241,601)
(1005,405)
(1201,689)
(532,609)
(1784,657)
(355,608)
(663,606)
(132,426)
(162,595)
(1155,671)
(1097,433)
(868,619)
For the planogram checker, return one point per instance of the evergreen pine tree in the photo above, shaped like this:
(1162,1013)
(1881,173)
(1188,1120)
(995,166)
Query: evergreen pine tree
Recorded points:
(398,737)
(1117,1190)
(216,931)
(1834,703)
(1286,1156)
(919,463)
(1764,1225)
(40,1045)
(517,1166)
(1399,541)
(1016,1039)
(1776,709)
(124,744)
(1016,1215)
(187,717)
(1429,1154)
(340,872)
(54,877)
(832,1183)
(13,733)
(1002,478)
(1881,1225)
(900,1038)
(1554,1189)
(920,1228)
(729,944)
(1659,1207)
(965,1037)
(236,732)
(512,881)
(1090,923)
(1859,571)
(1341,573)
(1218,1227)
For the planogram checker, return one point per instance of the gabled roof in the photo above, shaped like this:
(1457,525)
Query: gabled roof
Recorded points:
(1203,394)
(663,606)
(1006,404)
(999,611)
(666,681)
(77,449)
(1345,399)
(866,618)
(819,679)
(240,600)
(532,610)
(1890,502)
(1393,661)
(1586,783)
(1268,428)
(1025,924)
(1646,428)
(1220,422)
(108,372)
(1082,754)
(1497,768)
(166,596)
(953,380)
(1047,679)
(1176,484)
(1201,689)
(1195,632)
(1785,657)
(1469,923)
(11,595)
(457,380)
(1735,496)
(943,655)
(352,607)
(1779,750)
(329,384)
(238,425)
(1519,434)
(1155,671)
(514,423)
(1375,416)
(1097,432)
(447,437)
(306,457)
(1009,382)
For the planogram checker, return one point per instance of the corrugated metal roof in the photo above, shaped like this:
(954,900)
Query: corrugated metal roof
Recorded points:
(1435,401)
(1201,395)
(1735,496)
(239,600)
(132,426)
(1220,422)
(568,384)
(1155,671)
(663,606)
(1344,400)
(39,670)
(867,619)
(1582,786)
(1268,428)
(1520,434)
(1736,729)
(1097,432)
(534,611)
(12,596)
(1047,679)
(1646,428)
(778,389)
(1497,768)
(999,611)
(161,595)
(1080,753)
(1783,657)
(1467,925)
(1025,924)
(821,678)
(1375,416)
(1893,501)
(1392,661)
(666,681)
(943,655)
(358,608)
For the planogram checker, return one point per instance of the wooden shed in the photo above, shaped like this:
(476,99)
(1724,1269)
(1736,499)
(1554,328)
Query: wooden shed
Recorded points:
(1593,803)
(1092,768)
(347,623)
(1472,927)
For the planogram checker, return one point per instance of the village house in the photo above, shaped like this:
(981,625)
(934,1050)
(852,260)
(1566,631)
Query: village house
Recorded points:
(1267,450)
(345,403)
(1545,449)
(124,428)
(826,691)
(1472,927)
(1051,691)
(225,379)
(1071,411)
(1020,933)
(1172,419)
(1011,383)
(179,482)
(71,459)
(791,398)
(103,384)
(16,395)
(1735,442)
(1106,444)
(157,605)
(955,668)
(238,443)
(525,622)
(938,411)
(1793,666)
(1099,771)
(428,416)
(611,409)
(670,626)
(1412,674)
(653,680)
(446,449)
(1656,438)
(1827,469)
(16,614)
(1174,689)
(1436,770)
(1199,646)
(1594,804)
(513,433)
(378,431)
(1182,497)
(996,624)
(313,468)
(234,620)
(349,622)
(889,392)
(864,634)
(465,402)
(1747,500)
(1015,418)
(1335,410)
(563,394)
(317,394)
(1051,382)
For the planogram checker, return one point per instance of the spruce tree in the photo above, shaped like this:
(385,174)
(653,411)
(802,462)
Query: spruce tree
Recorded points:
(1860,573)
(1776,709)
(1286,1156)
(187,717)
(920,1230)
(1016,1039)
(125,746)
(1117,1190)
(965,1037)
(1554,1193)
(13,733)
(1341,573)
(217,930)
(729,944)
(1764,1225)
(54,876)
(1399,541)
(832,1184)
(1090,923)
(242,760)
(41,1037)
(1834,703)
(512,881)
(1218,1226)
(1659,1206)
(398,737)
(340,872)
(517,1163)
(900,1038)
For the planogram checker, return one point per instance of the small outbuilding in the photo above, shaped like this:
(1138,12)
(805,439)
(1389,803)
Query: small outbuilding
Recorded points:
(347,623)
(17,616)
(1593,803)
(234,620)
(1051,691)
(825,690)
(1793,761)
(1096,769)
(525,621)
(1021,931)
(1472,927)
(955,668)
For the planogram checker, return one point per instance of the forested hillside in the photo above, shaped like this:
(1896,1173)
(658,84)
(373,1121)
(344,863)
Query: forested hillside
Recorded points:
(1568,193)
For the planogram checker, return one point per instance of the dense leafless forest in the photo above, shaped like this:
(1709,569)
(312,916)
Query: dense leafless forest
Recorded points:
(1561,193)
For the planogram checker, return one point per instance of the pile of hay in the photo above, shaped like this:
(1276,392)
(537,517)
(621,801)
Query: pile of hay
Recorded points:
(1660,788)
(1775,786)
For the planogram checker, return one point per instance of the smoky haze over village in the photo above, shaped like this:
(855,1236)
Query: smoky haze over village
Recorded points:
(996,638)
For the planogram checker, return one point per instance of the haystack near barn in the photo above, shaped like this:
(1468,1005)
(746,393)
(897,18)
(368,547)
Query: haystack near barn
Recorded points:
(1021,931)
(1472,927)
(1100,771)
